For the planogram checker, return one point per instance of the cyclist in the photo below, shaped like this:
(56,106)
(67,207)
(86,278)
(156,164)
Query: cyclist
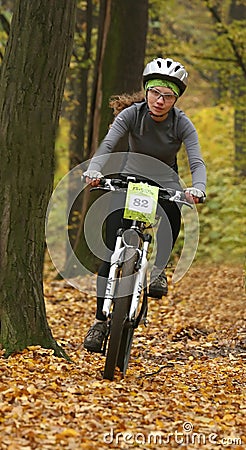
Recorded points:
(153,127)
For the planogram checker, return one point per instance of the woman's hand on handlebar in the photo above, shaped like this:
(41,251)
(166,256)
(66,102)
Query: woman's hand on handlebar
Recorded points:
(92,182)
(92,177)
(194,195)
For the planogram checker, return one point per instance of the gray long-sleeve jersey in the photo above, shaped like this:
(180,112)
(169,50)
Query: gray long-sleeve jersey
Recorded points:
(152,146)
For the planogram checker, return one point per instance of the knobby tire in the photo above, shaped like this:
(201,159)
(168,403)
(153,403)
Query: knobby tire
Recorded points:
(127,336)
(120,313)
(125,347)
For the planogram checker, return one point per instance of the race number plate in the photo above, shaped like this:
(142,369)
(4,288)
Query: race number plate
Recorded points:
(141,202)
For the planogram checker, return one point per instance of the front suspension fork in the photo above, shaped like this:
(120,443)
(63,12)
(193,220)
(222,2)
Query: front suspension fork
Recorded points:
(111,281)
(140,278)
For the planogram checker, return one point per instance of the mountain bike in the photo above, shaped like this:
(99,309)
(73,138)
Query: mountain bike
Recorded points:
(126,296)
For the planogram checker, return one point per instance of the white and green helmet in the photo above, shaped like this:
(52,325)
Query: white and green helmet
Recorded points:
(166,69)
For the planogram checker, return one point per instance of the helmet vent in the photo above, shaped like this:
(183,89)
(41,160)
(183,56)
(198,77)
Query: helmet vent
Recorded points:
(166,69)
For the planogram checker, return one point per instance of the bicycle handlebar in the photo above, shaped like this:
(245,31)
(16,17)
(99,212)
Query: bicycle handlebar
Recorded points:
(114,184)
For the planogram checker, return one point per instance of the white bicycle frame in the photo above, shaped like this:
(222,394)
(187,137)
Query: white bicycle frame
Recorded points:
(116,260)
(118,257)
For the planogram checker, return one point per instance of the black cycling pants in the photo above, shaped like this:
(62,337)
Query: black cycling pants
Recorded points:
(167,234)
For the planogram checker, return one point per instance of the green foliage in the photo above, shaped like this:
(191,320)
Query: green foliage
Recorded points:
(188,32)
(61,150)
(5,19)
(211,48)
(222,217)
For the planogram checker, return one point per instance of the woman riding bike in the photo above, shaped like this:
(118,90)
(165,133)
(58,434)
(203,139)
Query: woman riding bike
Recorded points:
(154,128)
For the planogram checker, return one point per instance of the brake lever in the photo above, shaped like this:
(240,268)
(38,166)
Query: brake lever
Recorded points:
(177,197)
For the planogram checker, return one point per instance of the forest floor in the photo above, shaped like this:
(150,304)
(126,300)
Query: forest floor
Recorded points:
(185,386)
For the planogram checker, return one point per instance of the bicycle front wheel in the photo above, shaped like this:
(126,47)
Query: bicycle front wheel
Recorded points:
(128,332)
(125,347)
(120,313)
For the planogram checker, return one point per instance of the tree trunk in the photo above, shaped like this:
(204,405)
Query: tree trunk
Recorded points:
(237,13)
(78,121)
(31,89)
(124,54)
(120,59)
(119,66)
(237,73)
(96,101)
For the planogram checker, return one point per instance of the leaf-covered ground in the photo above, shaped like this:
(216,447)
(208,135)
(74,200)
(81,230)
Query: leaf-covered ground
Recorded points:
(185,387)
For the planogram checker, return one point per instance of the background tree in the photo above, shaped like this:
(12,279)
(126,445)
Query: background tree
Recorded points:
(211,99)
(237,19)
(77,107)
(120,58)
(214,53)
(33,75)
(5,16)
(230,19)
(118,68)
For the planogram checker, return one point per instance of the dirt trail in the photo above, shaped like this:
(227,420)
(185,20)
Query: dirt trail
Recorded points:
(185,387)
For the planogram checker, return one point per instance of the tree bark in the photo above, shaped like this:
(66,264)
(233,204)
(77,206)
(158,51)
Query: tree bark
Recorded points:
(120,59)
(31,89)
(124,54)
(78,121)
(237,13)
(119,65)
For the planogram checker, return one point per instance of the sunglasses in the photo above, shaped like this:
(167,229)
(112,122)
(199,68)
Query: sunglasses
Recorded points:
(155,94)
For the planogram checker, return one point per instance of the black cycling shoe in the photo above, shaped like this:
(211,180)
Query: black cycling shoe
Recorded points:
(158,283)
(94,339)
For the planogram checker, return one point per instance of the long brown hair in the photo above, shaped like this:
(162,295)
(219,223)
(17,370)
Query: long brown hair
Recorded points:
(120,102)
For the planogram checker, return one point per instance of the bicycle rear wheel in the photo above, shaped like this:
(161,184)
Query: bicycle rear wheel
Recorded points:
(120,312)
